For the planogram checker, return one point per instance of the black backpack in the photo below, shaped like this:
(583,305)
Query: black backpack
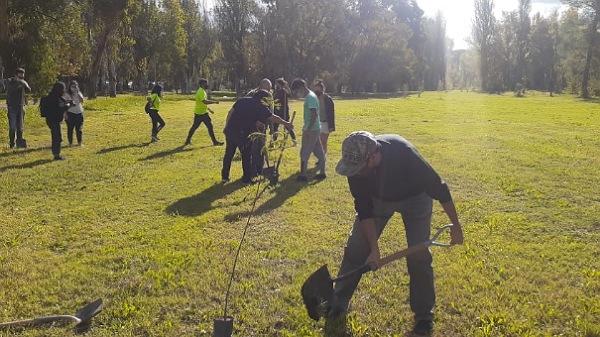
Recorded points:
(44,106)
(149,105)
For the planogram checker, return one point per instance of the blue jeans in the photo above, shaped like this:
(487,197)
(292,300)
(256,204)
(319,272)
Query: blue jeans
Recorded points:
(416,214)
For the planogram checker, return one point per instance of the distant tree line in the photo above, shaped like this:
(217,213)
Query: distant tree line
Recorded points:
(517,51)
(354,45)
(113,45)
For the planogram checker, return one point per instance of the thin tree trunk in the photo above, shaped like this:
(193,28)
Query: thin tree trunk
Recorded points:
(97,61)
(4,37)
(112,74)
(585,93)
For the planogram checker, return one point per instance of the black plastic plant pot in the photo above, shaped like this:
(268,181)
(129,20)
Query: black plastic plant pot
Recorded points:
(223,327)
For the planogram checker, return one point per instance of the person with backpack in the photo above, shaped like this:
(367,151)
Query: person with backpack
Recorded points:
(16,101)
(201,114)
(54,108)
(152,109)
(75,113)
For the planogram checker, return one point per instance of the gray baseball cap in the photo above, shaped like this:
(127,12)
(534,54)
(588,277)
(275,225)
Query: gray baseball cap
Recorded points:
(356,149)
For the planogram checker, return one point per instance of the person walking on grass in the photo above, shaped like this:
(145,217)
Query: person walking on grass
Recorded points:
(74,117)
(242,121)
(54,108)
(16,101)
(387,175)
(311,142)
(201,114)
(326,113)
(157,122)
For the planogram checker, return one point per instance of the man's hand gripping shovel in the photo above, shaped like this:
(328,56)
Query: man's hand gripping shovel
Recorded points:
(317,290)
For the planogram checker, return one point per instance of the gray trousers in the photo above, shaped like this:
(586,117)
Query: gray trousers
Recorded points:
(416,214)
(16,117)
(311,143)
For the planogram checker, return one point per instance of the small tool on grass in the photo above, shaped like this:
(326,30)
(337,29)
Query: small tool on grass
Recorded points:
(317,290)
(81,319)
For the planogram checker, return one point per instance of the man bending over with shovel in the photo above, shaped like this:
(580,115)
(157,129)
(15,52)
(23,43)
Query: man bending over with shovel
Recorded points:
(387,175)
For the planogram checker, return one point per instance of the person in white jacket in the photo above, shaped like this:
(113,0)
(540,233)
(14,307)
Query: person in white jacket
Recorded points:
(75,113)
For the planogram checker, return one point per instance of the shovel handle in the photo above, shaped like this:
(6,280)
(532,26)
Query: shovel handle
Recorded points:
(63,319)
(400,254)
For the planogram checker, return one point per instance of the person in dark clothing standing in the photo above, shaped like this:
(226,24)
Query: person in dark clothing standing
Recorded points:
(16,101)
(281,106)
(326,113)
(54,108)
(75,113)
(387,175)
(157,122)
(201,114)
(241,122)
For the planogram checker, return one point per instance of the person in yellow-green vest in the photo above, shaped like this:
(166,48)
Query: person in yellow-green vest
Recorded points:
(201,114)
(157,122)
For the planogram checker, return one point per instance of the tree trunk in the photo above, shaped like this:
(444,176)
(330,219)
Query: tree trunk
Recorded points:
(97,60)
(4,55)
(112,75)
(585,93)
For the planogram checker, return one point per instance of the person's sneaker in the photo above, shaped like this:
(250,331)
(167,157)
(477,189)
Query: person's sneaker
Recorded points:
(11,145)
(59,157)
(154,139)
(321,176)
(218,144)
(302,179)
(224,180)
(22,144)
(187,142)
(246,181)
(423,328)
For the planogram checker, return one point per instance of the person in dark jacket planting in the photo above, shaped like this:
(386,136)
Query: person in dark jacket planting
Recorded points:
(387,175)
(241,122)
(54,107)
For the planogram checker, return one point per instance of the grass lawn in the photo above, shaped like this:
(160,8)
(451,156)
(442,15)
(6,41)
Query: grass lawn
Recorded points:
(149,228)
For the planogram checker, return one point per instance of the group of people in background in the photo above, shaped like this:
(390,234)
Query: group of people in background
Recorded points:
(61,103)
(262,110)
(259,111)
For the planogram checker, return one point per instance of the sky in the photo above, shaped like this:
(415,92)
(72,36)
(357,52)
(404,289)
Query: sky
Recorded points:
(459,14)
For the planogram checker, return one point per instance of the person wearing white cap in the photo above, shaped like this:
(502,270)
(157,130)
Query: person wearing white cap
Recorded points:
(387,175)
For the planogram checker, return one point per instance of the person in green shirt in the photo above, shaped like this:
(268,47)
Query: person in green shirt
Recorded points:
(201,114)
(311,142)
(157,122)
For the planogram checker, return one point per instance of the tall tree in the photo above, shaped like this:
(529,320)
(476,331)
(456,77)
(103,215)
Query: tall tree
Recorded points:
(483,30)
(105,15)
(523,40)
(592,9)
(235,18)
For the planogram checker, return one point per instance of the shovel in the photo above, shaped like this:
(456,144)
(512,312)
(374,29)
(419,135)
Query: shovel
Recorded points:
(317,290)
(82,318)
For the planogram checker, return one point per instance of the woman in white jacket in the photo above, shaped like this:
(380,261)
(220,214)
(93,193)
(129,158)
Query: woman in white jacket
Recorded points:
(75,113)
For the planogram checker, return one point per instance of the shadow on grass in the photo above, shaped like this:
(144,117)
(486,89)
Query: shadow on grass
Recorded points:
(122,147)
(19,152)
(167,153)
(285,190)
(202,202)
(595,100)
(26,165)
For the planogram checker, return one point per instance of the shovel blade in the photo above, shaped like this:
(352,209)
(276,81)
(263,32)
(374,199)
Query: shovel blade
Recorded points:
(86,313)
(316,291)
